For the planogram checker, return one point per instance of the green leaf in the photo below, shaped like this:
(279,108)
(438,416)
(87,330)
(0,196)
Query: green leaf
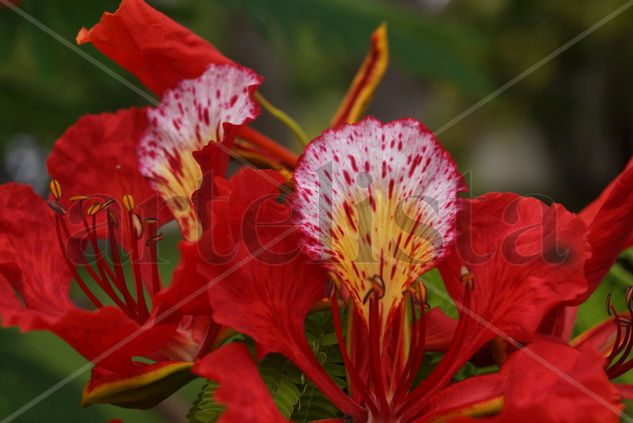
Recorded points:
(204,408)
(313,405)
(279,375)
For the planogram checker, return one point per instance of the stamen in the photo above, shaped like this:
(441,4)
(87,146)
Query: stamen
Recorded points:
(154,240)
(375,352)
(151,242)
(109,276)
(56,207)
(377,288)
(357,382)
(135,227)
(120,281)
(418,297)
(56,189)
(468,279)
(71,267)
(128,202)
(108,203)
(623,346)
(138,225)
(93,209)
(441,375)
(103,280)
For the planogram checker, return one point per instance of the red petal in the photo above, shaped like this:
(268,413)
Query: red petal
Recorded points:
(186,280)
(625,390)
(110,339)
(97,155)
(475,393)
(440,330)
(263,286)
(148,44)
(269,302)
(223,209)
(526,258)
(366,81)
(256,297)
(34,279)
(599,338)
(550,382)
(610,222)
(241,387)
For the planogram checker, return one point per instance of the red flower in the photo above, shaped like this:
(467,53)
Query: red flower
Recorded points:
(553,383)
(359,193)
(375,207)
(118,177)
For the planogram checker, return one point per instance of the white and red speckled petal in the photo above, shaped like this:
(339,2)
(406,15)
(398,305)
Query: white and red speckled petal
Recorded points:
(378,199)
(194,113)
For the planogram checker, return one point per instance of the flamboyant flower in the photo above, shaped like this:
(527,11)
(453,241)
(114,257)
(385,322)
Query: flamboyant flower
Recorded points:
(377,206)
(116,179)
(374,207)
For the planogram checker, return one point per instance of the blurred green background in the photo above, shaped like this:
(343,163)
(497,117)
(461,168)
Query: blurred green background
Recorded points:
(563,132)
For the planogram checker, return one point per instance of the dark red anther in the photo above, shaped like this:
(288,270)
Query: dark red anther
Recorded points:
(154,240)
(377,288)
(619,360)
(56,207)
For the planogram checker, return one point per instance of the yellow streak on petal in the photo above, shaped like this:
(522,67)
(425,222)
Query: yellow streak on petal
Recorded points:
(176,189)
(136,390)
(361,92)
(386,242)
(483,408)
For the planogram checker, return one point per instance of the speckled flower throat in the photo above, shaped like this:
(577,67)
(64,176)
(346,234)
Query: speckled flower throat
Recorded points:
(378,202)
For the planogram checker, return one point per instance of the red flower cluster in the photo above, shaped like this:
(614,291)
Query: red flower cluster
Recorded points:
(348,229)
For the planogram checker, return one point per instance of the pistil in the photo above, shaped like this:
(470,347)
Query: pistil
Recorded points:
(357,383)
(374,356)
(413,403)
(135,230)
(418,340)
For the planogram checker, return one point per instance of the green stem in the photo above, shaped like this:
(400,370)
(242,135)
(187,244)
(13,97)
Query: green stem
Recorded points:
(284,118)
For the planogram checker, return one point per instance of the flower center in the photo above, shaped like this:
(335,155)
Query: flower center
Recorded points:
(382,374)
(91,219)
